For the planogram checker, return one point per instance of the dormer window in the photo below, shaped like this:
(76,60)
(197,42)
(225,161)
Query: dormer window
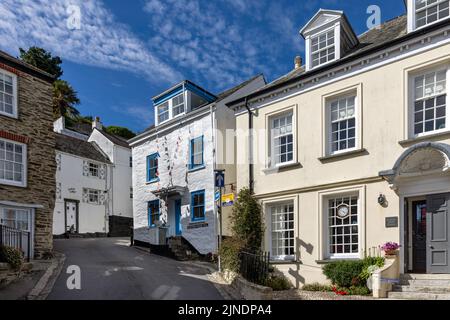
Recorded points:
(180,100)
(329,37)
(322,48)
(429,11)
(422,13)
(178,105)
(163,112)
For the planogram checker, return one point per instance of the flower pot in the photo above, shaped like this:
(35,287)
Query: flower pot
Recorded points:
(391,252)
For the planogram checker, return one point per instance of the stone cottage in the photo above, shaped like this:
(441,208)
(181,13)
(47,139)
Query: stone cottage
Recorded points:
(27,153)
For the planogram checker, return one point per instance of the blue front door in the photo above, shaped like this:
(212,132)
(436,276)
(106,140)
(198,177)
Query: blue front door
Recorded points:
(178,229)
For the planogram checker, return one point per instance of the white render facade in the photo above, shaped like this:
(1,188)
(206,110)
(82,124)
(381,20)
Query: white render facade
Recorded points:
(174,195)
(93,182)
(81,200)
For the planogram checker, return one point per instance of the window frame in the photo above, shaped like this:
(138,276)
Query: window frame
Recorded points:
(317,35)
(153,156)
(412,100)
(270,207)
(150,214)
(329,123)
(192,165)
(173,106)
(342,256)
(93,192)
(415,12)
(273,162)
(94,166)
(15,113)
(158,114)
(323,236)
(29,217)
(24,164)
(193,194)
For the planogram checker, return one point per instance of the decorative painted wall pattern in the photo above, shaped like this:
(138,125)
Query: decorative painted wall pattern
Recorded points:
(173,148)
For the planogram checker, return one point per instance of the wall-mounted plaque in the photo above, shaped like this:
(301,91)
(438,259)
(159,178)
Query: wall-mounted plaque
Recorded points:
(392,222)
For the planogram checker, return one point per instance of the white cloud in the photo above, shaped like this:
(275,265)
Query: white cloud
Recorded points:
(101,41)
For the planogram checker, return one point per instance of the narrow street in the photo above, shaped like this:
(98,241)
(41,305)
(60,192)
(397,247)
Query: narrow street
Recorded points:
(111,270)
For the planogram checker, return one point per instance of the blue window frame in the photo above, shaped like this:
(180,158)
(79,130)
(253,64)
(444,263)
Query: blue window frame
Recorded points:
(198,205)
(196,159)
(152,168)
(153,213)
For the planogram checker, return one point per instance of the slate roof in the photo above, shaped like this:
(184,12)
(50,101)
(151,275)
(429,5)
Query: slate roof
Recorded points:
(229,92)
(83,128)
(25,67)
(388,31)
(79,148)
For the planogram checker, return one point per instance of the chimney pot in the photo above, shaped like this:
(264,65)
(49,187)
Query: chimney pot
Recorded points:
(97,124)
(298,62)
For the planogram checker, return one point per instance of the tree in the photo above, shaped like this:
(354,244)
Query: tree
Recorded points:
(43,60)
(120,131)
(64,100)
(246,219)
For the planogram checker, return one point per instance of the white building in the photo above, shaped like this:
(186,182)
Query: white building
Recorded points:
(93,191)
(174,163)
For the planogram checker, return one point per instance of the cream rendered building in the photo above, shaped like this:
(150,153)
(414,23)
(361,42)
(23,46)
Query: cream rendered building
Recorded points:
(352,150)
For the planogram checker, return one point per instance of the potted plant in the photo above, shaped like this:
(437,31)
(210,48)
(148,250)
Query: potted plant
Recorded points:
(390,248)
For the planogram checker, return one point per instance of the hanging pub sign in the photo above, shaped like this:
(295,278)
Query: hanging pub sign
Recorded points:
(228,200)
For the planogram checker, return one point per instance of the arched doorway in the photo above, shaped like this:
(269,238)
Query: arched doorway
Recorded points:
(421,178)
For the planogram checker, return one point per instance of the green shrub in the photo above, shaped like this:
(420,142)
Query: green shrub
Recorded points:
(278,283)
(344,273)
(12,256)
(246,221)
(316,287)
(229,254)
(359,291)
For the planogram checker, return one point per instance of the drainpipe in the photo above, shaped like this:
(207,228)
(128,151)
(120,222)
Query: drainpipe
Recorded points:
(250,147)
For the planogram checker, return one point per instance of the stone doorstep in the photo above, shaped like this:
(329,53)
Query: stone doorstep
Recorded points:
(418,296)
(423,289)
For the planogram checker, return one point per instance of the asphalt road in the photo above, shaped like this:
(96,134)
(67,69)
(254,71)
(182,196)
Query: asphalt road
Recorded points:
(111,270)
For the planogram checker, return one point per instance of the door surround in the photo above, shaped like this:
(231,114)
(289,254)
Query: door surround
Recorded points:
(77,215)
(412,189)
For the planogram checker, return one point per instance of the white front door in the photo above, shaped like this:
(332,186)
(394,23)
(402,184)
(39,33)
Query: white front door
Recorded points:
(71,216)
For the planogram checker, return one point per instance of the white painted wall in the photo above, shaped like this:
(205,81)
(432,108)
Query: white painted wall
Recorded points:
(70,182)
(122,204)
(176,155)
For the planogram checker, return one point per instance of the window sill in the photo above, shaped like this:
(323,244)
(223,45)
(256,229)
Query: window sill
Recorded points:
(348,154)
(287,166)
(282,262)
(152,181)
(327,261)
(12,184)
(197,169)
(434,136)
(9,115)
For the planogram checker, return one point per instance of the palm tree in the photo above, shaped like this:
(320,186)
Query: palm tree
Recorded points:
(64,100)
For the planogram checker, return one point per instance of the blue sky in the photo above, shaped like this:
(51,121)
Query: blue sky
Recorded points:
(128,51)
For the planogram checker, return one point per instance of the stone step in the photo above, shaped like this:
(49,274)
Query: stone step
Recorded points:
(418,296)
(424,276)
(422,289)
(425,283)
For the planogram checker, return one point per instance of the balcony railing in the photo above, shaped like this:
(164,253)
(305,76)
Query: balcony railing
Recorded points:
(15,238)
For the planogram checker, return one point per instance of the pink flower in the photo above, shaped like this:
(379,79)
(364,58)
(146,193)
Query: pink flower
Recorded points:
(390,246)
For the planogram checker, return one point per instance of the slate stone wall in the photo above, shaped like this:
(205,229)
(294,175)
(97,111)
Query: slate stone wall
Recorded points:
(34,126)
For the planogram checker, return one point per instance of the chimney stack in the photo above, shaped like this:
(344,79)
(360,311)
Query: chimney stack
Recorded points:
(298,62)
(97,124)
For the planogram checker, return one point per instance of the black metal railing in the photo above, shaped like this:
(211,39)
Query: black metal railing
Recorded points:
(255,267)
(21,240)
